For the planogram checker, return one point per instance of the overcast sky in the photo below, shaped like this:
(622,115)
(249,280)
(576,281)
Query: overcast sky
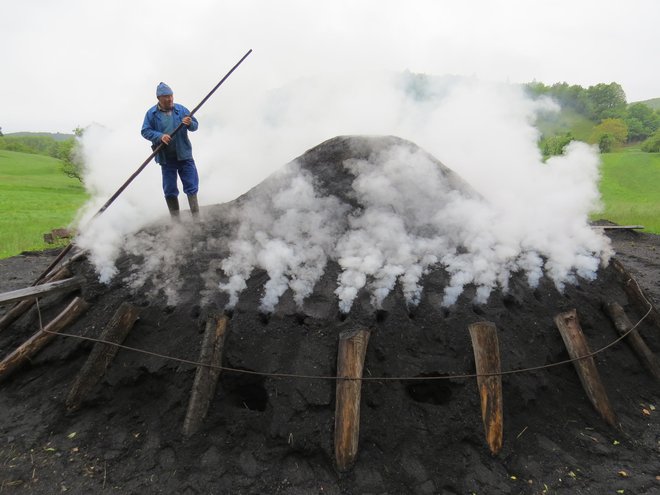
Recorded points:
(72,62)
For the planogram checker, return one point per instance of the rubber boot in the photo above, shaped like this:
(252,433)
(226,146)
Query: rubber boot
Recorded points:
(173,206)
(194,205)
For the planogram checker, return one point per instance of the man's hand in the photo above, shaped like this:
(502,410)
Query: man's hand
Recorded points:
(166,138)
(186,120)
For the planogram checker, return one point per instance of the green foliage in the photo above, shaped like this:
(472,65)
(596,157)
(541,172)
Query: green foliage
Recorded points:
(608,101)
(35,197)
(554,145)
(630,181)
(652,144)
(610,134)
(642,121)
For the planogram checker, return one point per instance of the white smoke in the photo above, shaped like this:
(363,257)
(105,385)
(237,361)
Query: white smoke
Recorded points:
(533,216)
(287,230)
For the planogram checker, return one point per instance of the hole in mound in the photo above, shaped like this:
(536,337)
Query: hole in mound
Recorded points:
(247,392)
(509,301)
(229,313)
(300,318)
(381,315)
(343,316)
(195,312)
(478,310)
(264,318)
(436,392)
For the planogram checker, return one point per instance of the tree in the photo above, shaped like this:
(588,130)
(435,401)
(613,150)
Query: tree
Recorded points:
(70,153)
(554,145)
(1,134)
(609,134)
(642,121)
(608,101)
(652,144)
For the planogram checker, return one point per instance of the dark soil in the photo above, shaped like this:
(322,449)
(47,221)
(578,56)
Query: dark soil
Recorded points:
(275,435)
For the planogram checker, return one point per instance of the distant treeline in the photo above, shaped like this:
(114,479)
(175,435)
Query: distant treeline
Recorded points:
(49,145)
(615,121)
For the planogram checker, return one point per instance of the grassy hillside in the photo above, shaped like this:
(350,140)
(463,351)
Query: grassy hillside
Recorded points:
(551,124)
(654,103)
(630,187)
(35,197)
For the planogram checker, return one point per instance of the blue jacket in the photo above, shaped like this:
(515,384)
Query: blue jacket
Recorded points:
(153,127)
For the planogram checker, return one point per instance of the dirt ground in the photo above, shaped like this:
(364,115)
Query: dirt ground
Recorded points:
(266,434)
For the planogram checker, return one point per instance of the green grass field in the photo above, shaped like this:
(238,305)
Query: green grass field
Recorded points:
(35,197)
(630,188)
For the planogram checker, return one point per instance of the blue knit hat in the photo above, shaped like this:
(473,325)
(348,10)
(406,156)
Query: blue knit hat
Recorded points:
(163,90)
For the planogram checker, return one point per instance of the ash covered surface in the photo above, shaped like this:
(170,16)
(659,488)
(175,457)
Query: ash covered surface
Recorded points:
(275,435)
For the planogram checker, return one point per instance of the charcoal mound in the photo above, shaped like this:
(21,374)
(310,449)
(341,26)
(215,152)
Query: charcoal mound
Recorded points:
(266,433)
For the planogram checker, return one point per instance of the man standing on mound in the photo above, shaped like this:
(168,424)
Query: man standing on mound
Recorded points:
(176,156)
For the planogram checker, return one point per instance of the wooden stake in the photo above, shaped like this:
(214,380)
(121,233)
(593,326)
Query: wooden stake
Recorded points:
(66,285)
(350,363)
(19,309)
(624,325)
(102,354)
(577,347)
(635,293)
(35,343)
(487,361)
(206,378)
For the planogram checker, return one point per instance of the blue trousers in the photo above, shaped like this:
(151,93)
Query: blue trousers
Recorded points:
(186,170)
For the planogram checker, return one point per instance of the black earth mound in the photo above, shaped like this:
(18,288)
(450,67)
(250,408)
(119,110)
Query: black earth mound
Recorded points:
(275,435)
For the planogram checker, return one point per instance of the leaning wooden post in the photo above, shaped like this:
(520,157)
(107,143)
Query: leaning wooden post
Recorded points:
(206,377)
(487,361)
(625,326)
(577,347)
(350,363)
(635,293)
(35,343)
(19,309)
(102,354)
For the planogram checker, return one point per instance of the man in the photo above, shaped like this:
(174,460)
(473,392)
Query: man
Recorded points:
(175,158)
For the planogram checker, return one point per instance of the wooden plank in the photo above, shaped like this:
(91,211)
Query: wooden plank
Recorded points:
(350,364)
(35,343)
(102,354)
(634,339)
(42,290)
(576,344)
(487,360)
(206,377)
(19,309)
(618,227)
